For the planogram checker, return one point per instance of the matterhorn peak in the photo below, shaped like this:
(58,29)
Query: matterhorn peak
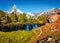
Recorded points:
(14,6)
(15,9)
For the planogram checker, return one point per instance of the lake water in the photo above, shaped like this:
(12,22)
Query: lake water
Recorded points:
(30,27)
(27,27)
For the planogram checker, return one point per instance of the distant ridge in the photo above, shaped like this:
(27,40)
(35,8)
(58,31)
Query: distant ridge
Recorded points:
(51,11)
(48,12)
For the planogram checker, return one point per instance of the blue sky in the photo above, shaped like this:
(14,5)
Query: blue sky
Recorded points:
(30,5)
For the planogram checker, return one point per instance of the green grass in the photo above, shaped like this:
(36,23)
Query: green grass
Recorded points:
(20,36)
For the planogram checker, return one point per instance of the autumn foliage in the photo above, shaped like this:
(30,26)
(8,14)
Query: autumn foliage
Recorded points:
(47,30)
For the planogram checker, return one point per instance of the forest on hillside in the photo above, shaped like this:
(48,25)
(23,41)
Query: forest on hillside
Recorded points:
(13,18)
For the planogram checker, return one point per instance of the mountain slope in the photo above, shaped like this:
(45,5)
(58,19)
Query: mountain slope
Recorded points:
(50,12)
(15,10)
(45,31)
(28,14)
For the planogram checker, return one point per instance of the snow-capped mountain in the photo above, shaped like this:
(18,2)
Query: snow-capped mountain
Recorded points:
(18,11)
(54,10)
(50,12)
(28,14)
(15,10)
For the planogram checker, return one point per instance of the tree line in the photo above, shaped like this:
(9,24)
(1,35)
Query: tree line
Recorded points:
(22,18)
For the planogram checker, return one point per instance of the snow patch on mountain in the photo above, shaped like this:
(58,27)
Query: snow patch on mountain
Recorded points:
(50,12)
(28,14)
